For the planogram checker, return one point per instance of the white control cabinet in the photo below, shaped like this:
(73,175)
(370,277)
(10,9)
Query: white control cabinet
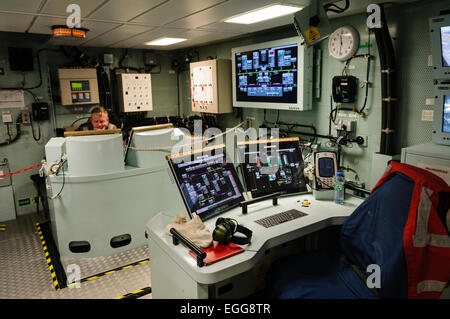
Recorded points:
(432,157)
(78,86)
(211,86)
(135,92)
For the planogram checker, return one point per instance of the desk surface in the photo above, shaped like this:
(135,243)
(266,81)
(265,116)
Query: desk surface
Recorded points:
(320,214)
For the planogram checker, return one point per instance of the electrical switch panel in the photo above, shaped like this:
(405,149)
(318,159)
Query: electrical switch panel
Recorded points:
(135,92)
(211,86)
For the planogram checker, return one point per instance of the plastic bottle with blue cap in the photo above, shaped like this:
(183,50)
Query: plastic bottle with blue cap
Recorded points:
(339,188)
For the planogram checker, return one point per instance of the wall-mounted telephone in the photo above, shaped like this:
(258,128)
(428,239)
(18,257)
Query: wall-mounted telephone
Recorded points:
(325,169)
(40,111)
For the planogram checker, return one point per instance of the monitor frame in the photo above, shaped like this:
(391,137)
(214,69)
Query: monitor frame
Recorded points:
(201,153)
(440,72)
(304,75)
(256,194)
(438,134)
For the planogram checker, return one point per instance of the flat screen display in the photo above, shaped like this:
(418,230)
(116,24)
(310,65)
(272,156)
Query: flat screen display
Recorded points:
(326,167)
(208,183)
(267,75)
(445,45)
(446,115)
(272,166)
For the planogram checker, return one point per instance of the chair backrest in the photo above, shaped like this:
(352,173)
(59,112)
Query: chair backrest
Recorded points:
(373,234)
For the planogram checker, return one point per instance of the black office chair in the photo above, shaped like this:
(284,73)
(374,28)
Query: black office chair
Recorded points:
(372,244)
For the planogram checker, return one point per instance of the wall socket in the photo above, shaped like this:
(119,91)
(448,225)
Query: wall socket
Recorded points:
(26,117)
(6,117)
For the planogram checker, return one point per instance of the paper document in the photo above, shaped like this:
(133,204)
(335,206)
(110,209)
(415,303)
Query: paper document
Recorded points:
(11,98)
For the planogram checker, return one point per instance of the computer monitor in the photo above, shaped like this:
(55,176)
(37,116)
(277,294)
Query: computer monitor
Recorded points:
(275,75)
(274,165)
(207,181)
(441,122)
(440,45)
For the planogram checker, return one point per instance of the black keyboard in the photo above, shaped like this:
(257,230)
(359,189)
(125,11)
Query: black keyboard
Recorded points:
(280,218)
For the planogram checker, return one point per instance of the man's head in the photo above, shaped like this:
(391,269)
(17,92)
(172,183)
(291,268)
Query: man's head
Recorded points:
(99,118)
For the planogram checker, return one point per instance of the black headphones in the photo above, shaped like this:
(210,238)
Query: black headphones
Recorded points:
(225,230)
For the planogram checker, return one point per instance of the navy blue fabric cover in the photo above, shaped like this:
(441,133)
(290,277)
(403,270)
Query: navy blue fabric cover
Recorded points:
(373,234)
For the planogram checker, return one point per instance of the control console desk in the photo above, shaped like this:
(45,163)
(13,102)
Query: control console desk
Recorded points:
(175,274)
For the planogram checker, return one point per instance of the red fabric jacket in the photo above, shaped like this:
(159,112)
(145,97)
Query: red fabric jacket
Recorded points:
(426,242)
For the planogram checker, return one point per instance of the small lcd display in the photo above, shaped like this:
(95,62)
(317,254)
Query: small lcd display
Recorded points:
(326,167)
(446,115)
(445,44)
(79,85)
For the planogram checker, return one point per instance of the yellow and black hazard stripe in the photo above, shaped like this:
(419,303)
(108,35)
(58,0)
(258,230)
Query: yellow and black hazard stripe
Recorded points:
(3,227)
(109,272)
(48,259)
(136,294)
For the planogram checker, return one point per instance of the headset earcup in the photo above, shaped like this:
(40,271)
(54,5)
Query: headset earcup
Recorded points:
(222,233)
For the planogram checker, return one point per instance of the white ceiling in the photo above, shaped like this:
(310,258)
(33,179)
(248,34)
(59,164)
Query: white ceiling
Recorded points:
(130,23)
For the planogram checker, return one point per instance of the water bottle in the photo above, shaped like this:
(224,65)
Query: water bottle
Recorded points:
(339,189)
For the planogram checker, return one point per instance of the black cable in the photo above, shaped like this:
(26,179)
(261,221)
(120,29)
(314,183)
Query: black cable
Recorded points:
(330,6)
(61,165)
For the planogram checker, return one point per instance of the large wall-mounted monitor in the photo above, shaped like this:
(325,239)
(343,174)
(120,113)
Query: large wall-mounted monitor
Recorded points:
(273,75)
(440,45)
(441,123)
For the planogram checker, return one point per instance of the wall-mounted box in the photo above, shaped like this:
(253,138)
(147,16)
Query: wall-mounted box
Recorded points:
(78,86)
(211,86)
(135,92)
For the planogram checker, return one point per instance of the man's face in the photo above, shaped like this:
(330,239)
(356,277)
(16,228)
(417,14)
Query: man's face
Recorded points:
(99,121)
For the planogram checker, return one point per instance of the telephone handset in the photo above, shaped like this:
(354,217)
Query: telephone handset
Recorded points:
(325,169)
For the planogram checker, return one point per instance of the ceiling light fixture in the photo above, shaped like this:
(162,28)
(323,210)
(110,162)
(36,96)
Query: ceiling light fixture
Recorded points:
(262,14)
(165,41)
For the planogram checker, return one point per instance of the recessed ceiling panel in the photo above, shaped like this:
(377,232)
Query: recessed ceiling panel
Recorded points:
(219,13)
(44,25)
(116,35)
(11,22)
(124,10)
(59,7)
(149,36)
(174,10)
(248,28)
(20,5)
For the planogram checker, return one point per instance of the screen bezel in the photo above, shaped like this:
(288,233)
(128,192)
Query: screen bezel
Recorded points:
(438,134)
(295,142)
(213,150)
(304,77)
(439,71)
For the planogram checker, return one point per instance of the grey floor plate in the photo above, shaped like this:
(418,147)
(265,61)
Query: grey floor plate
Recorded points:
(93,266)
(25,274)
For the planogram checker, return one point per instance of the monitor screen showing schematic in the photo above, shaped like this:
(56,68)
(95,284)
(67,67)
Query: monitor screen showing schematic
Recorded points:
(209,184)
(446,115)
(273,168)
(445,45)
(267,75)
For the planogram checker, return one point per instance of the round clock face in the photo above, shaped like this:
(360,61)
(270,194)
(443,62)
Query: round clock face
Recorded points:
(343,43)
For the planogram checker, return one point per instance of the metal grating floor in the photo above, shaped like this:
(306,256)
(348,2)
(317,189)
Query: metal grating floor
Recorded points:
(24,273)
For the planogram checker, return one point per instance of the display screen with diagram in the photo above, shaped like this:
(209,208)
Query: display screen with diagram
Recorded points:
(445,45)
(275,75)
(271,166)
(207,182)
(446,115)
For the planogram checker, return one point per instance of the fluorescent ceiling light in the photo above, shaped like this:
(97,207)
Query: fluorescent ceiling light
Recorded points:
(266,13)
(165,41)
